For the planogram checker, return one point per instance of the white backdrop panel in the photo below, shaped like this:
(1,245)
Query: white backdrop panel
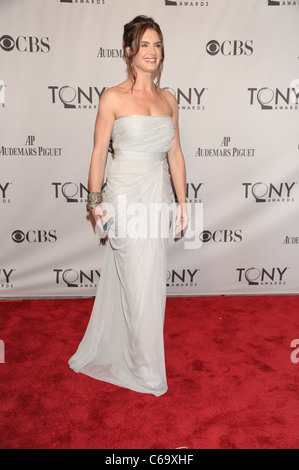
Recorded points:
(233,66)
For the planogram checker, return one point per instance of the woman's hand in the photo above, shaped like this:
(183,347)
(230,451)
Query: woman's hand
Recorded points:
(98,213)
(182,218)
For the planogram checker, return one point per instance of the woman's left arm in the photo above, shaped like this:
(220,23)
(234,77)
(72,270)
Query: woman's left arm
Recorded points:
(178,171)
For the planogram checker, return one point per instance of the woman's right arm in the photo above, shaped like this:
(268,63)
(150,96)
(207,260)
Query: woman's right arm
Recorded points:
(102,135)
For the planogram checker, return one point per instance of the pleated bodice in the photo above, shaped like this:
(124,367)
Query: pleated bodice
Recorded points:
(142,134)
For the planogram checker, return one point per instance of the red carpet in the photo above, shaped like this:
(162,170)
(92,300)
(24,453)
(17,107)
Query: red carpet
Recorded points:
(232,384)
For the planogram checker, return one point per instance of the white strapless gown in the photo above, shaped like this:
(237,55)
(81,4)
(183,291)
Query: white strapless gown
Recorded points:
(123,343)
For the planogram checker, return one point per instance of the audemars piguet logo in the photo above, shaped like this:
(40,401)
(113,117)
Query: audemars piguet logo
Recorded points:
(290,240)
(31,149)
(225,149)
(110,53)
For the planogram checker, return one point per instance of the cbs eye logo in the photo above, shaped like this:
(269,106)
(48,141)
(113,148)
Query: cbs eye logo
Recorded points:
(24,44)
(34,236)
(7,43)
(230,48)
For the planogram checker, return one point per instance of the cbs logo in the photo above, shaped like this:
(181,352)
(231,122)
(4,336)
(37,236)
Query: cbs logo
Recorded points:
(230,48)
(34,236)
(24,44)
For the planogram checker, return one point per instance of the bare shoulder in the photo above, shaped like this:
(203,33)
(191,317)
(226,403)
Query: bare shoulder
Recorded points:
(109,100)
(170,99)
(168,95)
(112,97)
(110,94)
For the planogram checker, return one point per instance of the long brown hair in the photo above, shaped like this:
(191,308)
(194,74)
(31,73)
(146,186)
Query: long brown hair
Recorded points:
(133,32)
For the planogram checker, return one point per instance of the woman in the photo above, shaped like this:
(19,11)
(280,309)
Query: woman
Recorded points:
(123,343)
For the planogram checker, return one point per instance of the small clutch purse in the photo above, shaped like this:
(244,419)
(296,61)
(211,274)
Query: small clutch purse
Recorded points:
(104,223)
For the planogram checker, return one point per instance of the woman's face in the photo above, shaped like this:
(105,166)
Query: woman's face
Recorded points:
(149,55)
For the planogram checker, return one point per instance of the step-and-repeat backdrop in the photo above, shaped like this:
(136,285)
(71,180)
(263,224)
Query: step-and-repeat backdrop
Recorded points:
(233,67)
